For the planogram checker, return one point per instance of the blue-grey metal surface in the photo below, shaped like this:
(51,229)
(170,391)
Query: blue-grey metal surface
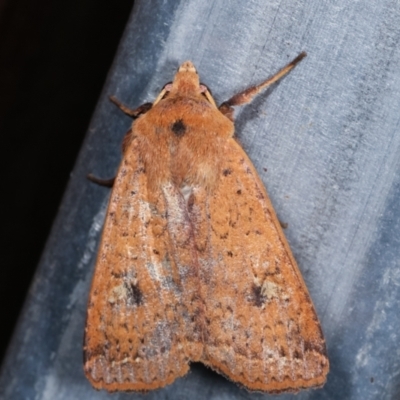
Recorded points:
(329,136)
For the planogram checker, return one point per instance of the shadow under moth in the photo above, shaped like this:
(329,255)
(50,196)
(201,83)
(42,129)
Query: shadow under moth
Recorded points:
(193,264)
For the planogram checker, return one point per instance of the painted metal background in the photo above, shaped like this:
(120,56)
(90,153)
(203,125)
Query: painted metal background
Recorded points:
(326,142)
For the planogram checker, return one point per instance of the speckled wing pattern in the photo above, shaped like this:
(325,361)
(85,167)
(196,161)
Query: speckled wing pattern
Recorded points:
(142,324)
(261,329)
(210,278)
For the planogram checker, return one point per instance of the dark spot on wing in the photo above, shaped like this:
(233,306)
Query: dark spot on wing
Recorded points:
(297,355)
(135,296)
(256,296)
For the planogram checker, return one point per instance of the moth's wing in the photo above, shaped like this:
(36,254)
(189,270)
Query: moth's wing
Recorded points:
(262,330)
(140,331)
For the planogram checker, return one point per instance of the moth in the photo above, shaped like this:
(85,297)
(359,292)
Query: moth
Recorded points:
(193,264)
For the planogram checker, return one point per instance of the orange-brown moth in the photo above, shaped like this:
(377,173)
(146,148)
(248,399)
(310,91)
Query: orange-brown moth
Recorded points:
(193,264)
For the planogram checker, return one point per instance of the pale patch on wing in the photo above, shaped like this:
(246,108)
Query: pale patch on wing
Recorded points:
(186,191)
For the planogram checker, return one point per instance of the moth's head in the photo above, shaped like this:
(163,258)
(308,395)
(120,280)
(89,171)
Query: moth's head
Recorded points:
(186,83)
(186,80)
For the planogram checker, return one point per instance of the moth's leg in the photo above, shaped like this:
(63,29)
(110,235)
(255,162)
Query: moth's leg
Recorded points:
(247,95)
(110,182)
(101,182)
(127,138)
(128,111)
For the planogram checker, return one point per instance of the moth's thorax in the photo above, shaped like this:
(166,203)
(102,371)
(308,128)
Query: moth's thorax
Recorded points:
(181,139)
